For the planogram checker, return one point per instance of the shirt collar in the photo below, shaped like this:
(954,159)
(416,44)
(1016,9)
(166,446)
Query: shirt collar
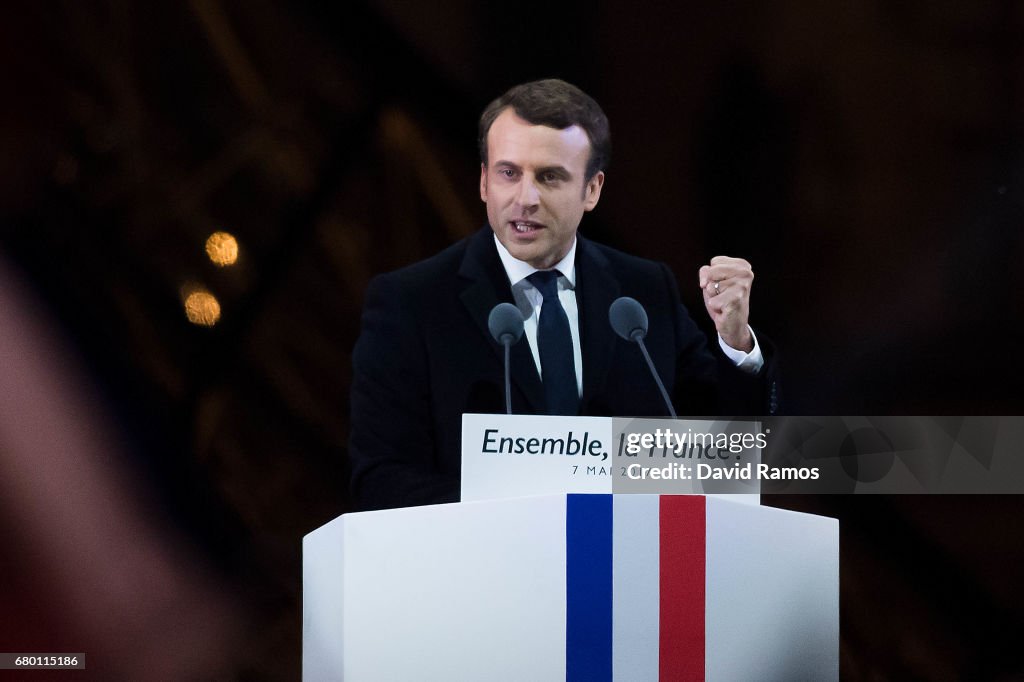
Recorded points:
(518,270)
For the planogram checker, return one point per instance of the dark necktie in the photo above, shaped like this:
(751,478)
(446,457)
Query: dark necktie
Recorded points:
(558,370)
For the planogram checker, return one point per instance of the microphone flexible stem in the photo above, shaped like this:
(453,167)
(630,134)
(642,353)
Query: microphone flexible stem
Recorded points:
(508,378)
(654,373)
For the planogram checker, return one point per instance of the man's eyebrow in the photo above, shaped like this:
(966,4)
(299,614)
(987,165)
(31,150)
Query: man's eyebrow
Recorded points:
(507,164)
(561,171)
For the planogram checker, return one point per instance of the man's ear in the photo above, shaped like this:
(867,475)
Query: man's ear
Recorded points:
(483,182)
(592,191)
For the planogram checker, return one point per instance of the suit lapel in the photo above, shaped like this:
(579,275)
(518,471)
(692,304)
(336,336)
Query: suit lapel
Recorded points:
(596,288)
(487,286)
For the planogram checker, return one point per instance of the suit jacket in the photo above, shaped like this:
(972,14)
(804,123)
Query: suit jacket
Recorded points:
(425,356)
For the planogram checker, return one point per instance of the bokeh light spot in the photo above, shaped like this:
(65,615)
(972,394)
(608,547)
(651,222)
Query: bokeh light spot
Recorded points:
(222,248)
(202,308)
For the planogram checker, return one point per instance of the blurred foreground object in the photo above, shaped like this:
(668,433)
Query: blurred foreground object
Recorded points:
(95,569)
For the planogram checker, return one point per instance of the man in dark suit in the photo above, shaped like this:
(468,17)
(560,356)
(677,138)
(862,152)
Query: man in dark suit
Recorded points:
(425,355)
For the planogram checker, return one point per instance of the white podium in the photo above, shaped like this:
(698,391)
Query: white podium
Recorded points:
(573,587)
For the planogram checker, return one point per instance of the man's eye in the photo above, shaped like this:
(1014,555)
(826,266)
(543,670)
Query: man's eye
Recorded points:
(507,173)
(549,178)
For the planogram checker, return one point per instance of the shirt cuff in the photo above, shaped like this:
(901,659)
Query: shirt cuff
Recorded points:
(751,362)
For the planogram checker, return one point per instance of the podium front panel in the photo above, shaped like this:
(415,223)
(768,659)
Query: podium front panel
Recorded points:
(572,587)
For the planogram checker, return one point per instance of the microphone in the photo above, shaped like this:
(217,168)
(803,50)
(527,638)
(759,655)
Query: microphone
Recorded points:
(506,326)
(629,320)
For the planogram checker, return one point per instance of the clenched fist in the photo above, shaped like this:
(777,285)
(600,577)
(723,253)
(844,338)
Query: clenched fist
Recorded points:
(726,286)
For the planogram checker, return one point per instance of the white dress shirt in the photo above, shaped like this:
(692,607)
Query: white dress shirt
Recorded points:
(529,300)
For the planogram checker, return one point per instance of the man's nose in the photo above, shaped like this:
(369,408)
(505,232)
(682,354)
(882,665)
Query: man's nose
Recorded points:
(529,194)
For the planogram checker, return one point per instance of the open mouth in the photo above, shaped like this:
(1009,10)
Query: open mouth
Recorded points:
(525,226)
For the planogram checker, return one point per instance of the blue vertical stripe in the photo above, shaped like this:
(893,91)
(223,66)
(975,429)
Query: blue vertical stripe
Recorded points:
(588,588)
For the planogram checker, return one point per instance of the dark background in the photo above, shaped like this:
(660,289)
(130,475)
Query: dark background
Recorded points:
(865,157)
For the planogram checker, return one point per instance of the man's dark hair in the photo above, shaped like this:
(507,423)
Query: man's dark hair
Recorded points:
(556,104)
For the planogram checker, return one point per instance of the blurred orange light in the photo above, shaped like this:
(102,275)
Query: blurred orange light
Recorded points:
(202,308)
(222,248)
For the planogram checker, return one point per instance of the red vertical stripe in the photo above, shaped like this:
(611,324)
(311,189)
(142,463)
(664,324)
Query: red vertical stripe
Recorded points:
(682,536)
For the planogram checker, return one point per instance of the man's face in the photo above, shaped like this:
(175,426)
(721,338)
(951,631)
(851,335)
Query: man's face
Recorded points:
(534,187)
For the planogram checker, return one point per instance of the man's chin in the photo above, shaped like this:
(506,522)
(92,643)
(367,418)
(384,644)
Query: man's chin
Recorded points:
(521,249)
(532,254)
(535,250)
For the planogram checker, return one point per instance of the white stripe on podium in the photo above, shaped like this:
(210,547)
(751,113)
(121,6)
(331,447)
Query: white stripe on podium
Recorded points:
(635,579)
